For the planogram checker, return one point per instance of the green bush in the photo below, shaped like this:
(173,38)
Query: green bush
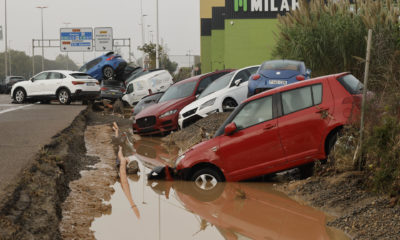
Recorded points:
(330,38)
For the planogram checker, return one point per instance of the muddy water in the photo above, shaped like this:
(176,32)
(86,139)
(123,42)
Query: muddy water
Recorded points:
(180,210)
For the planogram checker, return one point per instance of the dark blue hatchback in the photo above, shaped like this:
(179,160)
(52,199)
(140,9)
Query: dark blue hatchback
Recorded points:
(276,73)
(105,66)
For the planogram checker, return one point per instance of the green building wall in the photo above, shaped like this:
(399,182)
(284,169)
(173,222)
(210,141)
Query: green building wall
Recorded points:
(248,41)
(205,54)
(217,49)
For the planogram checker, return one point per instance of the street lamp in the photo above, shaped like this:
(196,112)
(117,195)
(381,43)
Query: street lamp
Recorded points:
(5,38)
(41,11)
(157,40)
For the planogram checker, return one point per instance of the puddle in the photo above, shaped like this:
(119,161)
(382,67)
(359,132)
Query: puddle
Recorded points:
(181,210)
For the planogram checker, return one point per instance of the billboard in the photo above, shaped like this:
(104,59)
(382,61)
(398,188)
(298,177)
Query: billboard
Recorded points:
(76,39)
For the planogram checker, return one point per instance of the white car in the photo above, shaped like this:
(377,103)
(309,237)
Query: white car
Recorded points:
(65,86)
(157,81)
(224,94)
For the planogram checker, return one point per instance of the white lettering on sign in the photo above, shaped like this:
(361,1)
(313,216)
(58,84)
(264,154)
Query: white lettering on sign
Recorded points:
(256,5)
(285,6)
(295,4)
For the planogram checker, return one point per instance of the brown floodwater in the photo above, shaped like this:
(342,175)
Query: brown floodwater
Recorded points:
(181,210)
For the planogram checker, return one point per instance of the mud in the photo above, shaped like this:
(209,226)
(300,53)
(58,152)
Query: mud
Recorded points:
(356,211)
(203,129)
(33,209)
(87,196)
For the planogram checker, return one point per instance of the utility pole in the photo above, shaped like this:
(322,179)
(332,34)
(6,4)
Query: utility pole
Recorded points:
(66,25)
(41,11)
(157,40)
(5,38)
(142,24)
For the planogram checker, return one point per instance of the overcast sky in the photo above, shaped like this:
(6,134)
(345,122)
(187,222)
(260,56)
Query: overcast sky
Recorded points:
(179,23)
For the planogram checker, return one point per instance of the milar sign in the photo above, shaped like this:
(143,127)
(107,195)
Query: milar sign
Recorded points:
(259,8)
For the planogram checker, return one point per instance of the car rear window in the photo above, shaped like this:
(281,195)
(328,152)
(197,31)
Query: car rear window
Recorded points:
(81,76)
(17,79)
(281,65)
(111,83)
(351,84)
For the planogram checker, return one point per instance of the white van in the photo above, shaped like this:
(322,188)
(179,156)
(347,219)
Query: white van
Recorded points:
(156,81)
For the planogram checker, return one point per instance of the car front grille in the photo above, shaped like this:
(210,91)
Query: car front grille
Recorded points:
(146,122)
(188,113)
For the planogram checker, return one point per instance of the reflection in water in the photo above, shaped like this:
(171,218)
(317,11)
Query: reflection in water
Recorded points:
(181,210)
(125,184)
(153,153)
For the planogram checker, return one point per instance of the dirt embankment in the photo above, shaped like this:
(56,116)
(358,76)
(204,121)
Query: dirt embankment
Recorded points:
(203,129)
(355,210)
(33,210)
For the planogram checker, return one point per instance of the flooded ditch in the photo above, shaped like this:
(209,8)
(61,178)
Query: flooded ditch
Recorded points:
(177,209)
(73,191)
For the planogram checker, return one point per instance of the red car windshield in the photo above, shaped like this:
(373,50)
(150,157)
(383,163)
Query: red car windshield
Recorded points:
(178,91)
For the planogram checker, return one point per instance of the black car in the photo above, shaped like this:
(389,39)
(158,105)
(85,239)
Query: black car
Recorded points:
(112,89)
(6,84)
(146,102)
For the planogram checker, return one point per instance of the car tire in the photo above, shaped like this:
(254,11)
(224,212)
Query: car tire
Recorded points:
(108,72)
(64,97)
(19,95)
(228,105)
(207,184)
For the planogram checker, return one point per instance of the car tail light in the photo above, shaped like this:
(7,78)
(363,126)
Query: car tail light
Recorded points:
(356,100)
(110,58)
(78,82)
(257,76)
(103,89)
(300,77)
(123,90)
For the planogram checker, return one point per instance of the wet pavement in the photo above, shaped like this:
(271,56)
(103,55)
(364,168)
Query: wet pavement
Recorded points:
(183,210)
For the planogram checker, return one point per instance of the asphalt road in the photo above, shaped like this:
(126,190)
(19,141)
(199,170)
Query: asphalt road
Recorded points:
(24,129)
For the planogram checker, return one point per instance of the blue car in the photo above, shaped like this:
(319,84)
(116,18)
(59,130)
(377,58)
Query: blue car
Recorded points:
(276,73)
(104,67)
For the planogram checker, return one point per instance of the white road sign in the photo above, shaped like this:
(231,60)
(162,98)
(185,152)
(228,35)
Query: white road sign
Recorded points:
(76,39)
(103,39)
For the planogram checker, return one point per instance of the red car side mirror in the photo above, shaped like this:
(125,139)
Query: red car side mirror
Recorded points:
(230,128)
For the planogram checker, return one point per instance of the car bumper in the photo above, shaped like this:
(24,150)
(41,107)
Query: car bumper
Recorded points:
(163,125)
(111,96)
(85,95)
(186,121)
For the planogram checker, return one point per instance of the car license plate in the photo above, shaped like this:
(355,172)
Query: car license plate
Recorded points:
(280,82)
(90,84)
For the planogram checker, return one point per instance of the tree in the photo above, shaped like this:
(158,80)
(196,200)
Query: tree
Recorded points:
(165,62)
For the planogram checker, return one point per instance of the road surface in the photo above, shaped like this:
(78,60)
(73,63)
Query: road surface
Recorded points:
(24,129)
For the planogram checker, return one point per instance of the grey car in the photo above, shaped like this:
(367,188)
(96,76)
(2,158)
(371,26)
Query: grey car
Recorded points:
(112,89)
(6,84)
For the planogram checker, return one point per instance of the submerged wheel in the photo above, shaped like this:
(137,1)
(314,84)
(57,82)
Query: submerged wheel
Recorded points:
(229,105)
(108,72)
(19,95)
(64,97)
(207,184)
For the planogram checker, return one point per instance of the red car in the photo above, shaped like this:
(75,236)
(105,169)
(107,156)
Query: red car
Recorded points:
(163,116)
(275,130)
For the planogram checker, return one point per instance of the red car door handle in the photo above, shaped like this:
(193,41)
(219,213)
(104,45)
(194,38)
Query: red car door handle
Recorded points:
(269,126)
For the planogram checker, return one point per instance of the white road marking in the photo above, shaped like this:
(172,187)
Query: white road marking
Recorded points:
(14,108)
